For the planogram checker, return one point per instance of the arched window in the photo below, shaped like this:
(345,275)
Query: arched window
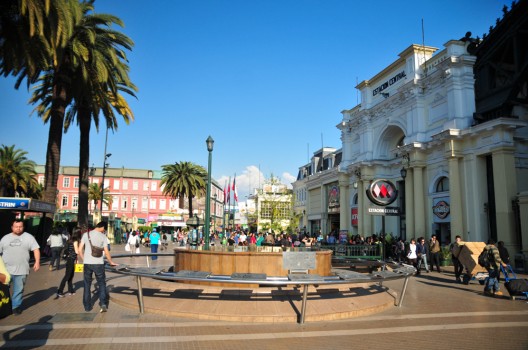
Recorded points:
(355,200)
(442,184)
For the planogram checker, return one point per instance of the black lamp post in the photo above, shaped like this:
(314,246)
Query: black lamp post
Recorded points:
(210,143)
(102,184)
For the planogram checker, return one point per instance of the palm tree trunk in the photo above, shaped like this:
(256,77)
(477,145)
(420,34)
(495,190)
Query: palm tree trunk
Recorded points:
(190,207)
(53,152)
(84,119)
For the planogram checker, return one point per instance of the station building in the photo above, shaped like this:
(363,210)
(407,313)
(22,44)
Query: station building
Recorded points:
(449,128)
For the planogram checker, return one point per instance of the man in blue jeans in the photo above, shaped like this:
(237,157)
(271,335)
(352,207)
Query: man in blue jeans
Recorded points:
(492,284)
(15,248)
(154,243)
(94,264)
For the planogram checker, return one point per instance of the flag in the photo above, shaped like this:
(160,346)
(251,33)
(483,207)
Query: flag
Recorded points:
(225,193)
(235,194)
(228,191)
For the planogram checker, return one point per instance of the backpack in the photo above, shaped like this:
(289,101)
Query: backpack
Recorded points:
(484,258)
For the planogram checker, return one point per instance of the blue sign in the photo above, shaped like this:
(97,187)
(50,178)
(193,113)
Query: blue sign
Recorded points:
(14,203)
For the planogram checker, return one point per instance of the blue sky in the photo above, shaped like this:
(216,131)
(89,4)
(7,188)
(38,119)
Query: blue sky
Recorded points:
(267,79)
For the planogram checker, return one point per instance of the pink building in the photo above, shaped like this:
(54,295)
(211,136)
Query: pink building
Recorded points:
(137,197)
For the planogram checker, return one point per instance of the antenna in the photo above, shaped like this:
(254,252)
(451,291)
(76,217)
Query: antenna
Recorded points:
(423,46)
(308,152)
(322,144)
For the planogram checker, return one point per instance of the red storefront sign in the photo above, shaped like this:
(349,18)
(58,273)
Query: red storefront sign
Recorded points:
(354,216)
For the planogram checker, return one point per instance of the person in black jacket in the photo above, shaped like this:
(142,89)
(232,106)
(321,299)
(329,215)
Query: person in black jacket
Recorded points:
(504,255)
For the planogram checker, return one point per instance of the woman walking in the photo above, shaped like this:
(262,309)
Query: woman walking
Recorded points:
(72,250)
(56,243)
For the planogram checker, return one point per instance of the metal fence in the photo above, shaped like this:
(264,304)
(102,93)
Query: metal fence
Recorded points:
(373,252)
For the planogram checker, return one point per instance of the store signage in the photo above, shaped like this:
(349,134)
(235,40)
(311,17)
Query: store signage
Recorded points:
(382,192)
(389,211)
(333,199)
(441,209)
(354,216)
(14,203)
(389,82)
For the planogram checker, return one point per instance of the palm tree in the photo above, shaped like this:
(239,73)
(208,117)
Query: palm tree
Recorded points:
(184,179)
(94,195)
(34,35)
(100,76)
(99,73)
(17,174)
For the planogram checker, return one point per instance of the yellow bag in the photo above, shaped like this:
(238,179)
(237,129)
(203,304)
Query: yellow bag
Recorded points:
(79,267)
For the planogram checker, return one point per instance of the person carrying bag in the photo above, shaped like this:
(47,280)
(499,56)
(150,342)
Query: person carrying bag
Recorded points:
(6,306)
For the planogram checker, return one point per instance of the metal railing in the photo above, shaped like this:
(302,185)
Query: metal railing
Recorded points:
(368,252)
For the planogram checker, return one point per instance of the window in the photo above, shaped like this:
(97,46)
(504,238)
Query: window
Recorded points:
(116,184)
(124,203)
(95,181)
(66,182)
(135,185)
(125,185)
(275,210)
(76,182)
(41,180)
(144,204)
(154,186)
(134,203)
(152,203)
(145,186)
(162,204)
(75,202)
(64,201)
(115,202)
(442,185)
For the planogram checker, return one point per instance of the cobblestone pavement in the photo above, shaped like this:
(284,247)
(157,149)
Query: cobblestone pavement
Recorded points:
(437,313)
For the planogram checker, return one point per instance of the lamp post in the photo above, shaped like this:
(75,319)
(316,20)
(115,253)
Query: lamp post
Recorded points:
(102,184)
(210,143)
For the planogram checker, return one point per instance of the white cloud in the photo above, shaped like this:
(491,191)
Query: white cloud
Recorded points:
(250,179)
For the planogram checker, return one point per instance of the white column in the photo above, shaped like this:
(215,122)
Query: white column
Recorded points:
(344,203)
(409,204)
(419,202)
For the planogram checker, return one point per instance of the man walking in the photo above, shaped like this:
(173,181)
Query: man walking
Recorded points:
(154,243)
(492,284)
(434,249)
(94,264)
(15,248)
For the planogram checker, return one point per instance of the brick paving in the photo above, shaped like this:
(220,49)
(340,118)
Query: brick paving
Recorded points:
(437,313)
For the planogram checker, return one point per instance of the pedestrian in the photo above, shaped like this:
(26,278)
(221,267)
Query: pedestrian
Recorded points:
(412,256)
(133,242)
(5,303)
(492,284)
(459,268)
(72,250)
(154,243)
(15,248)
(90,248)
(56,243)
(434,250)
(422,251)
(504,255)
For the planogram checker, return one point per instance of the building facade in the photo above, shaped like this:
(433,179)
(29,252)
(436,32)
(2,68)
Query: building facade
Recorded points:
(456,172)
(136,198)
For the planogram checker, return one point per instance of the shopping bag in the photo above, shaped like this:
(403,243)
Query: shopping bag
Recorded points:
(5,301)
(79,267)
(127,247)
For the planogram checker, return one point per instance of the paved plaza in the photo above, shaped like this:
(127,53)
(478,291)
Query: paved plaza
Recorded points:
(437,313)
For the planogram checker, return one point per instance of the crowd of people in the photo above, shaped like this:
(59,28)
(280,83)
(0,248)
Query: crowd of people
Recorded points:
(91,246)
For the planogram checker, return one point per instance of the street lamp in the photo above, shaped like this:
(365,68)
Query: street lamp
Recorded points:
(210,143)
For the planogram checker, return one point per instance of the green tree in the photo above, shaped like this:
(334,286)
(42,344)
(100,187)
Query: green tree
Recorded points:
(99,73)
(184,179)
(34,35)
(17,174)
(94,195)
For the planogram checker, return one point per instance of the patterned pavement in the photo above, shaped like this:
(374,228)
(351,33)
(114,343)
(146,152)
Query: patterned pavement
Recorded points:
(437,313)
